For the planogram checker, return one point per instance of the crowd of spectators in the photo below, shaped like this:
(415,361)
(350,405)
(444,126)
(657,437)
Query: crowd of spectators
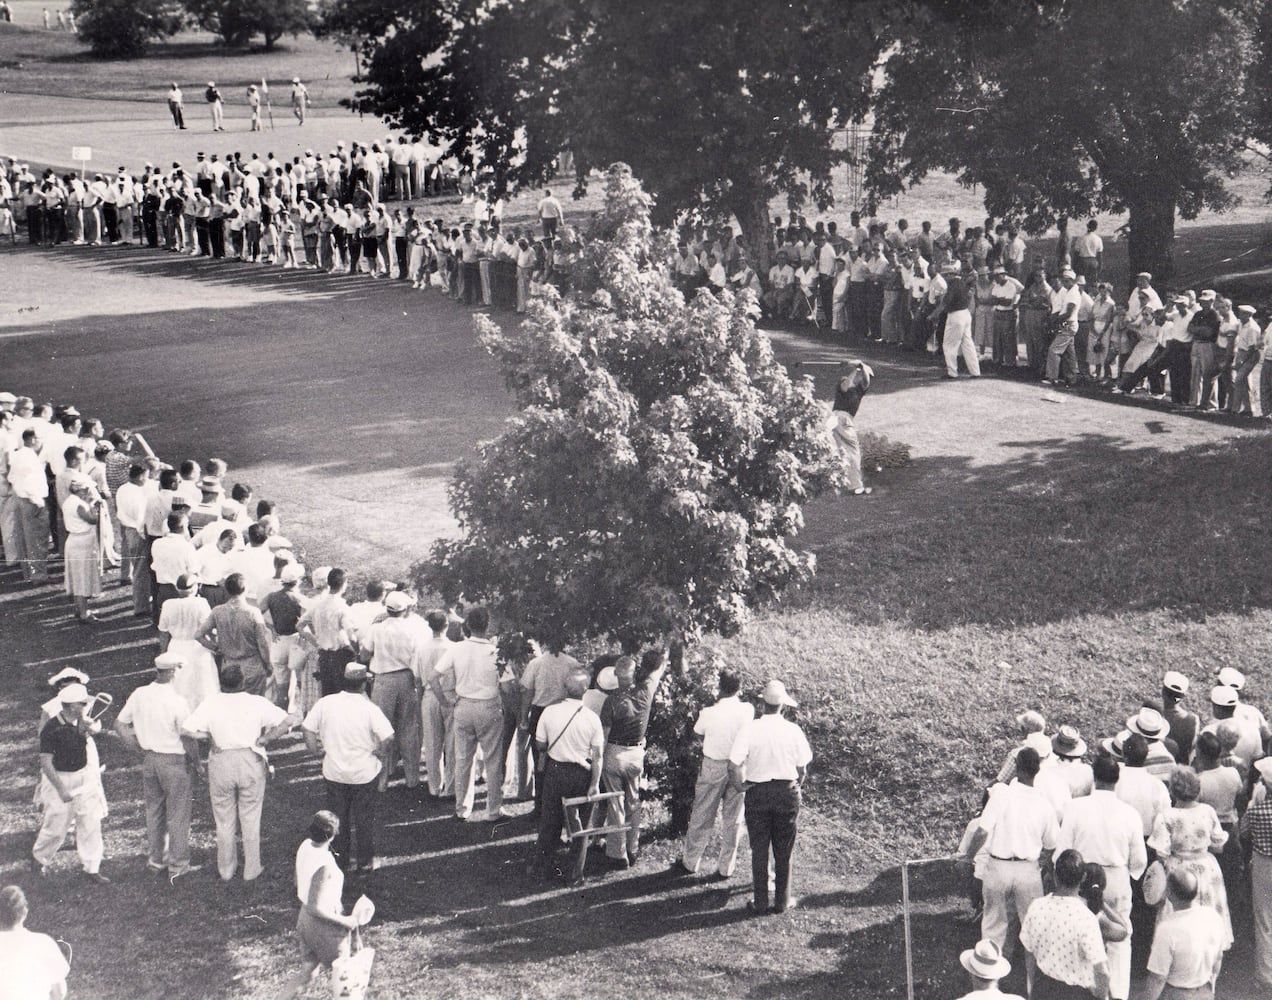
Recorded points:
(330,214)
(1150,850)
(977,295)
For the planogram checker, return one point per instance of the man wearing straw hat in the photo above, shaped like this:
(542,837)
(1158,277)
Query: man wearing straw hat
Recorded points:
(986,966)
(150,724)
(769,760)
(1148,722)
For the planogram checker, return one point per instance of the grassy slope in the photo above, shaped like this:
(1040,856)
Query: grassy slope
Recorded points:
(1066,572)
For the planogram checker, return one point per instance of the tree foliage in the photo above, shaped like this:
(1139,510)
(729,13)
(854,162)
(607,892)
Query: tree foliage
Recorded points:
(650,488)
(121,29)
(1063,110)
(713,105)
(238,21)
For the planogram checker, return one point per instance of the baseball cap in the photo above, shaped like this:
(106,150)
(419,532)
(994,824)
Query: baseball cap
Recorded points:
(1231,677)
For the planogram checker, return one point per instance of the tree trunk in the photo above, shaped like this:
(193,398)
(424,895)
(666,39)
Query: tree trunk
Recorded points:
(1151,243)
(757,232)
(270,40)
(1062,244)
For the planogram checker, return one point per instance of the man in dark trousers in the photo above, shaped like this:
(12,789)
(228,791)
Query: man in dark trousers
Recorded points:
(571,747)
(769,760)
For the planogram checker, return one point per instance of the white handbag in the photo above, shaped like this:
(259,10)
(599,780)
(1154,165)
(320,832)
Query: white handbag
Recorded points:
(350,976)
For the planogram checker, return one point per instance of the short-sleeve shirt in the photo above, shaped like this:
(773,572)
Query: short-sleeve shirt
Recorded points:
(67,745)
(1021,823)
(32,963)
(475,663)
(233,720)
(571,731)
(156,712)
(285,608)
(545,676)
(626,713)
(350,726)
(719,725)
(1186,946)
(1064,938)
(770,749)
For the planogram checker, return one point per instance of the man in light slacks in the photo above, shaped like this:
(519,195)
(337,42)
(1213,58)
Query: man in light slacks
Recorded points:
(478,722)
(718,725)
(472,668)
(239,725)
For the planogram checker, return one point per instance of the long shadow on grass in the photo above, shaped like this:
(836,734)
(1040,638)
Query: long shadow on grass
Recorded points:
(1068,526)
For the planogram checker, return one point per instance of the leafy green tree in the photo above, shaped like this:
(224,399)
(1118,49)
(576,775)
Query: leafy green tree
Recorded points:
(121,29)
(1064,110)
(715,106)
(650,488)
(237,21)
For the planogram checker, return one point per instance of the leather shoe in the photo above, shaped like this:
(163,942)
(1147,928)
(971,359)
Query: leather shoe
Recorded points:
(755,911)
(97,877)
(790,904)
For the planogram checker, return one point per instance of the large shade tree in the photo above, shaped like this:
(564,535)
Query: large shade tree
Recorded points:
(720,106)
(650,488)
(121,29)
(1067,109)
(237,21)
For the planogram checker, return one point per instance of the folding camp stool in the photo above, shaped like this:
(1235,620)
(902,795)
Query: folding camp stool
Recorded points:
(575,827)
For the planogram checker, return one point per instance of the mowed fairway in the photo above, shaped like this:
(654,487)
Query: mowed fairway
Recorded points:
(1058,551)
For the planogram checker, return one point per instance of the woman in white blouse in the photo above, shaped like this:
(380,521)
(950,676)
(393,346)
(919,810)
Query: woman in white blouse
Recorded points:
(323,928)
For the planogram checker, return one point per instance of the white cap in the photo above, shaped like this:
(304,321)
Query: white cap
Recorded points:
(292,573)
(73,694)
(1040,744)
(1264,766)
(1231,677)
(775,694)
(1223,696)
(1173,680)
(397,601)
(169,661)
(607,679)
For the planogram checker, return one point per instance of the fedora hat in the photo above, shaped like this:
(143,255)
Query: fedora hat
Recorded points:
(1148,722)
(1113,745)
(985,961)
(1068,742)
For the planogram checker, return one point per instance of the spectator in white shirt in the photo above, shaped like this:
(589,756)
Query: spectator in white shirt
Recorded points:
(718,725)
(353,736)
(150,724)
(30,485)
(172,557)
(769,759)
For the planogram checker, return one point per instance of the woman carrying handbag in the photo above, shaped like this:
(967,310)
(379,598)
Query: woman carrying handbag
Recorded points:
(326,933)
